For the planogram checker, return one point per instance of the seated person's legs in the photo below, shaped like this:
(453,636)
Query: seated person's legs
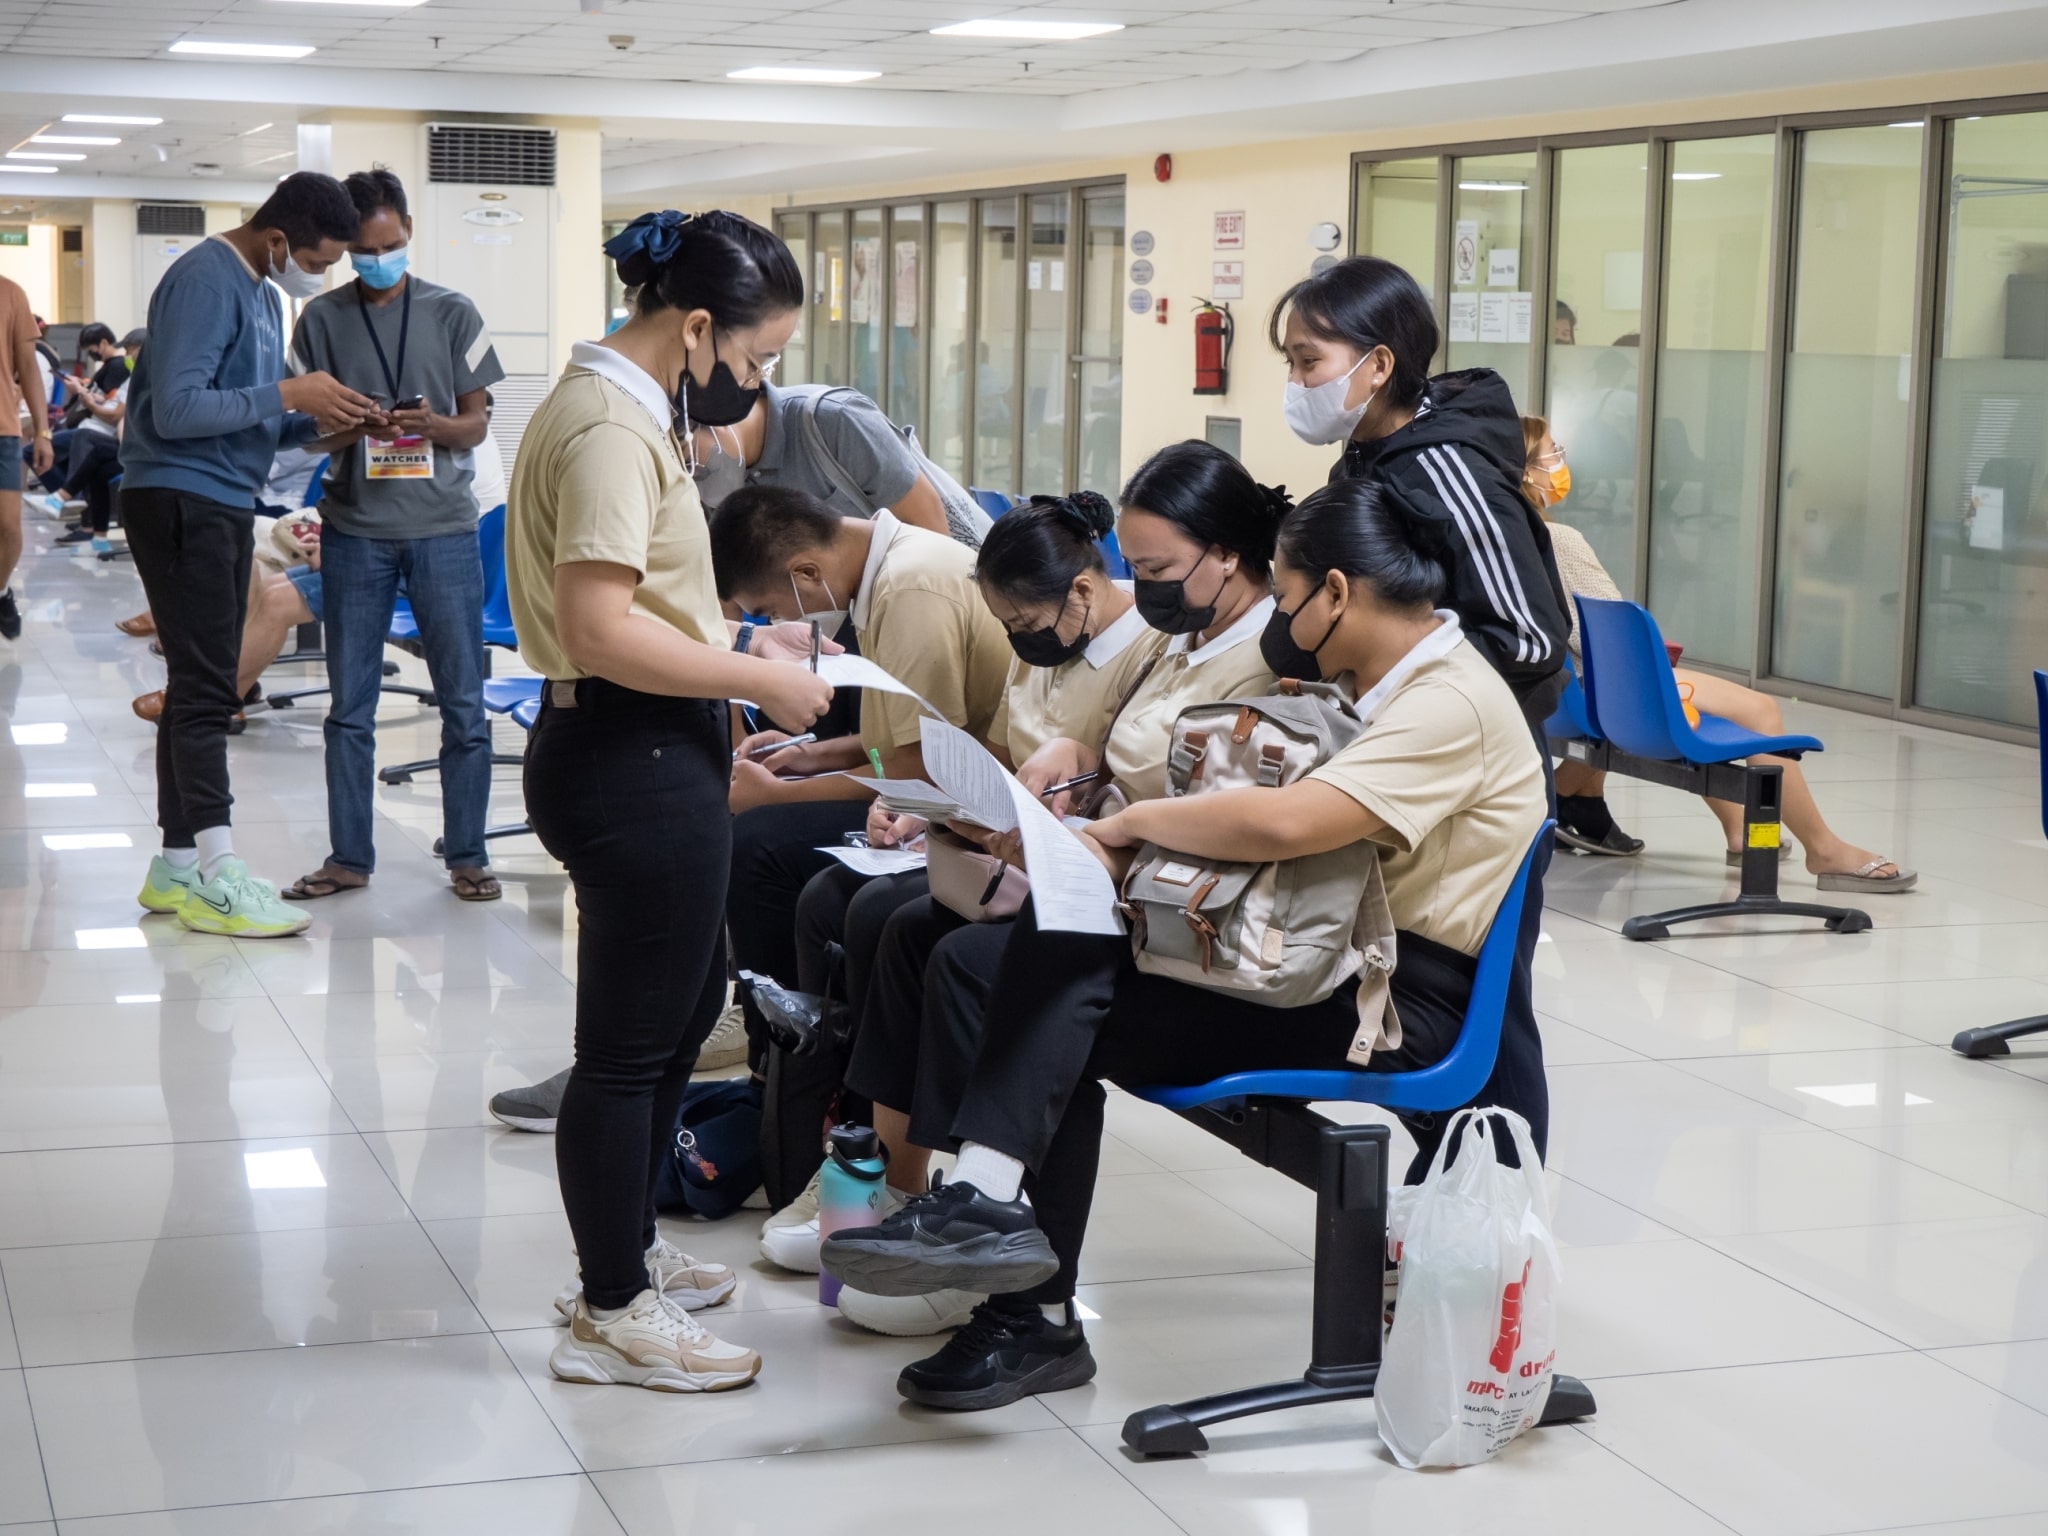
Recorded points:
(279,602)
(1584,821)
(774,855)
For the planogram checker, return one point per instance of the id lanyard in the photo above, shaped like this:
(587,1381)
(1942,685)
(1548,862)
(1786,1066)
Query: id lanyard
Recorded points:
(391,375)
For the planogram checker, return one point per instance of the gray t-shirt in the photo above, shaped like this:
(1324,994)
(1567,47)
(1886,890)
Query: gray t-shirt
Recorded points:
(865,443)
(448,353)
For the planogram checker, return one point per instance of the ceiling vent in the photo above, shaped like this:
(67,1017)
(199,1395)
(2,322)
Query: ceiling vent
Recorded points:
(478,153)
(170,219)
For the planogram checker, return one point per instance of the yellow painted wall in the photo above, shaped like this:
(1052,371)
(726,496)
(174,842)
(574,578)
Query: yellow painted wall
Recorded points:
(110,264)
(34,267)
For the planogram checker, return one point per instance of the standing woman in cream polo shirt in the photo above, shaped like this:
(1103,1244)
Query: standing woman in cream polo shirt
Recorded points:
(609,563)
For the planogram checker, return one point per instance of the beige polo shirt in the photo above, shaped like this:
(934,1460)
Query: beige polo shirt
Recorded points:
(1227,667)
(919,617)
(599,477)
(1075,698)
(1448,764)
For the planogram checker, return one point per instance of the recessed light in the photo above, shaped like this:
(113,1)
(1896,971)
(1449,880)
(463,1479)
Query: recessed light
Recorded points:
(41,154)
(30,170)
(799,75)
(244,50)
(112,122)
(71,138)
(1030,31)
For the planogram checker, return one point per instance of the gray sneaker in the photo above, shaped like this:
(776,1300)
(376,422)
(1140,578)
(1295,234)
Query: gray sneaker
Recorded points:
(726,1046)
(535,1108)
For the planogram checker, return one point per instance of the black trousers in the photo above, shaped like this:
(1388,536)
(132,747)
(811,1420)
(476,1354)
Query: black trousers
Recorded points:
(88,450)
(99,493)
(193,556)
(890,1065)
(1062,1011)
(774,855)
(628,790)
(840,910)
(1518,1080)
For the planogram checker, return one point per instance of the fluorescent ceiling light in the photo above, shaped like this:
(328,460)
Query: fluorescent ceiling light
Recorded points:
(1695,175)
(1916,123)
(244,50)
(1030,31)
(387,4)
(111,938)
(75,842)
(294,1168)
(112,122)
(30,170)
(286,154)
(257,129)
(49,734)
(70,138)
(52,791)
(1493,186)
(41,154)
(794,74)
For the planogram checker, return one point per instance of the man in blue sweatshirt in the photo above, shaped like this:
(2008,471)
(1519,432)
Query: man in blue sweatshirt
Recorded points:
(208,406)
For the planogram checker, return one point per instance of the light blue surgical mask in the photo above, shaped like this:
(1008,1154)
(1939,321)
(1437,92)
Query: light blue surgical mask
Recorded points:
(381,271)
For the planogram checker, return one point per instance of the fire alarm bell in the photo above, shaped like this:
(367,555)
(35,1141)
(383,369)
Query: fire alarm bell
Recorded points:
(1162,168)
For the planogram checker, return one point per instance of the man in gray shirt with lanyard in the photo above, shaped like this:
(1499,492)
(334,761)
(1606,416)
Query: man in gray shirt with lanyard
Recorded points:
(397,515)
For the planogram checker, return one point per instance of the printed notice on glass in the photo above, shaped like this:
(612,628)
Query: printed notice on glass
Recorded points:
(1465,254)
(1519,307)
(1464,317)
(1493,317)
(1503,267)
(1070,890)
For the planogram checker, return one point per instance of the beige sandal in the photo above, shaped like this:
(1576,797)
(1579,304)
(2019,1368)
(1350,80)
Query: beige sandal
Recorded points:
(1867,880)
(475,884)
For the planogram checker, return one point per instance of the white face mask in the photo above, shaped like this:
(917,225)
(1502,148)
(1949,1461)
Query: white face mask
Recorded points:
(829,620)
(297,281)
(1319,415)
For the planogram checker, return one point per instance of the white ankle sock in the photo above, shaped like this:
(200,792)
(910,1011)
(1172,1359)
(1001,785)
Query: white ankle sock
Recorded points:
(996,1174)
(181,858)
(215,844)
(1055,1312)
(605,1314)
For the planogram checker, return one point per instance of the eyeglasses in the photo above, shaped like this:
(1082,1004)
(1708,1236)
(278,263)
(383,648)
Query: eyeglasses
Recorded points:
(761,370)
(1553,459)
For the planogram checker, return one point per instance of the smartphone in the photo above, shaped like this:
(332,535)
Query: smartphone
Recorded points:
(410,403)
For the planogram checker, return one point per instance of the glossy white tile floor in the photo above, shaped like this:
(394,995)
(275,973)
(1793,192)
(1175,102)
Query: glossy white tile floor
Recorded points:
(1807,1249)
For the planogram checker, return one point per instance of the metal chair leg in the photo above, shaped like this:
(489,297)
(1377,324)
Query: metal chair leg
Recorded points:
(1991,1039)
(404,773)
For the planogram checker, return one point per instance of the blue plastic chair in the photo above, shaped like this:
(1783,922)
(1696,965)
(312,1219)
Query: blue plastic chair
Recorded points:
(1267,1115)
(311,496)
(1991,1039)
(1571,720)
(1632,704)
(994,503)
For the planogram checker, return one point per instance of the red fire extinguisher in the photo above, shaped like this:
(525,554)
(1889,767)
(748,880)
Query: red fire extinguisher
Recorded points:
(1214,332)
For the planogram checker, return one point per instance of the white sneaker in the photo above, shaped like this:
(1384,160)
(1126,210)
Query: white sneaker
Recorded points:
(789,1238)
(908,1317)
(692,1284)
(653,1343)
(726,1045)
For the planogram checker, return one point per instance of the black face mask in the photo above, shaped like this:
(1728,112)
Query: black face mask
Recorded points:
(1283,657)
(1164,604)
(1044,647)
(720,403)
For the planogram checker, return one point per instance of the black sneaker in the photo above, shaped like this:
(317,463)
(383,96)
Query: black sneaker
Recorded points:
(10,615)
(535,1108)
(1615,843)
(79,535)
(953,1239)
(998,1357)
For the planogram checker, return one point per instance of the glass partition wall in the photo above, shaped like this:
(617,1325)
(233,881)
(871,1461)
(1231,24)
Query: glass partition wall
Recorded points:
(992,324)
(1800,370)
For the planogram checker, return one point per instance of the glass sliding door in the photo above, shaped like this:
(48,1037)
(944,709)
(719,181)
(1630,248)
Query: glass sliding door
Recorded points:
(1842,488)
(866,302)
(1984,572)
(828,301)
(1593,379)
(995,369)
(795,230)
(1493,261)
(903,275)
(1707,447)
(952,359)
(1046,369)
(1099,367)
(1397,211)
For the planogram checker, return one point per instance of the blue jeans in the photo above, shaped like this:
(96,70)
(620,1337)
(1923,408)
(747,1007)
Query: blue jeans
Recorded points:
(444,581)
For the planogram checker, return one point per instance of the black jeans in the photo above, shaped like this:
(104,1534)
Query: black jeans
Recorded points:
(1518,1079)
(774,855)
(890,1065)
(88,450)
(841,909)
(193,556)
(628,790)
(1062,1011)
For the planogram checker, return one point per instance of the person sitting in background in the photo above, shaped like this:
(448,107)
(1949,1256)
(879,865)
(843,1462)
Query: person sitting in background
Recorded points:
(1839,866)
(98,350)
(95,463)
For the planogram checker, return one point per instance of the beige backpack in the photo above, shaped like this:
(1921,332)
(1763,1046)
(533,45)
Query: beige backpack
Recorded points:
(1288,933)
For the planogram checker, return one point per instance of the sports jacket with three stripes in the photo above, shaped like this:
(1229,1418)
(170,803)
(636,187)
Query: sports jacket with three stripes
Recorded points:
(1457,467)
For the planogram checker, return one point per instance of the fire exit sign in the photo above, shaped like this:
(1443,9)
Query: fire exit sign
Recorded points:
(13,234)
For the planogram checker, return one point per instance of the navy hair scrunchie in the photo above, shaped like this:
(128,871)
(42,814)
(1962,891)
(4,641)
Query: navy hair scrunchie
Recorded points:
(646,245)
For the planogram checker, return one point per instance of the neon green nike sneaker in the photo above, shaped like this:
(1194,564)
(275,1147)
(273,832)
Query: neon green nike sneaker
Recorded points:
(165,887)
(237,904)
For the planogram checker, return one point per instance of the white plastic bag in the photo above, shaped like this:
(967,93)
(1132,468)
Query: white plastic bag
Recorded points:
(1468,1361)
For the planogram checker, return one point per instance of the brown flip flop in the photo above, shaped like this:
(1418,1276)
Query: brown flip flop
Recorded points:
(320,883)
(138,626)
(475,885)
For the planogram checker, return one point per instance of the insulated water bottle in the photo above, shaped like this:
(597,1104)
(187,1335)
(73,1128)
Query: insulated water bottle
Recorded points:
(849,1191)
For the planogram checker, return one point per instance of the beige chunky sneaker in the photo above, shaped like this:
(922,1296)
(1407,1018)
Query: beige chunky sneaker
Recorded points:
(692,1284)
(654,1343)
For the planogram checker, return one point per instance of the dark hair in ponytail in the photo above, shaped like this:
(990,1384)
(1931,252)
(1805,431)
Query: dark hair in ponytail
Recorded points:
(718,261)
(1365,302)
(1211,498)
(1033,553)
(1351,526)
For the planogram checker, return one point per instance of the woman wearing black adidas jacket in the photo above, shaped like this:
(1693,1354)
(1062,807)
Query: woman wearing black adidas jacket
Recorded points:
(1448,452)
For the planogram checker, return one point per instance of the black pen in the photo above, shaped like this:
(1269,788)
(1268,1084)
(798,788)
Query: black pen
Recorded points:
(814,645)
(1057,789)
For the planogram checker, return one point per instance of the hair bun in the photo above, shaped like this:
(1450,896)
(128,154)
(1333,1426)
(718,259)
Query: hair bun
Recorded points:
(1090,509)
(646,245)
(1276,501)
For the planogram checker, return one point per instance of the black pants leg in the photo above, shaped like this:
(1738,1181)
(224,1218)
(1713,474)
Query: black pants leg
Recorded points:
(890,1064)
(629,792)
(774,855)
(1518,1080)
(193,556)
(842,909)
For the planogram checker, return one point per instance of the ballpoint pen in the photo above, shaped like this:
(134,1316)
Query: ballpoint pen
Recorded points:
(814,645)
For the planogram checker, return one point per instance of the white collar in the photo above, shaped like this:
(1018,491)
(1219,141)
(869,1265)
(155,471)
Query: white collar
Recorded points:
(885,528)
(1434,646)
(1116,639)
(1249,624)
(616,368)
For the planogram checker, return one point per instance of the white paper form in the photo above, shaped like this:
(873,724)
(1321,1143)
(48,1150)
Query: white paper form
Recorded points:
(847,670)
(910,797)
(876,861)
(1070,890)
